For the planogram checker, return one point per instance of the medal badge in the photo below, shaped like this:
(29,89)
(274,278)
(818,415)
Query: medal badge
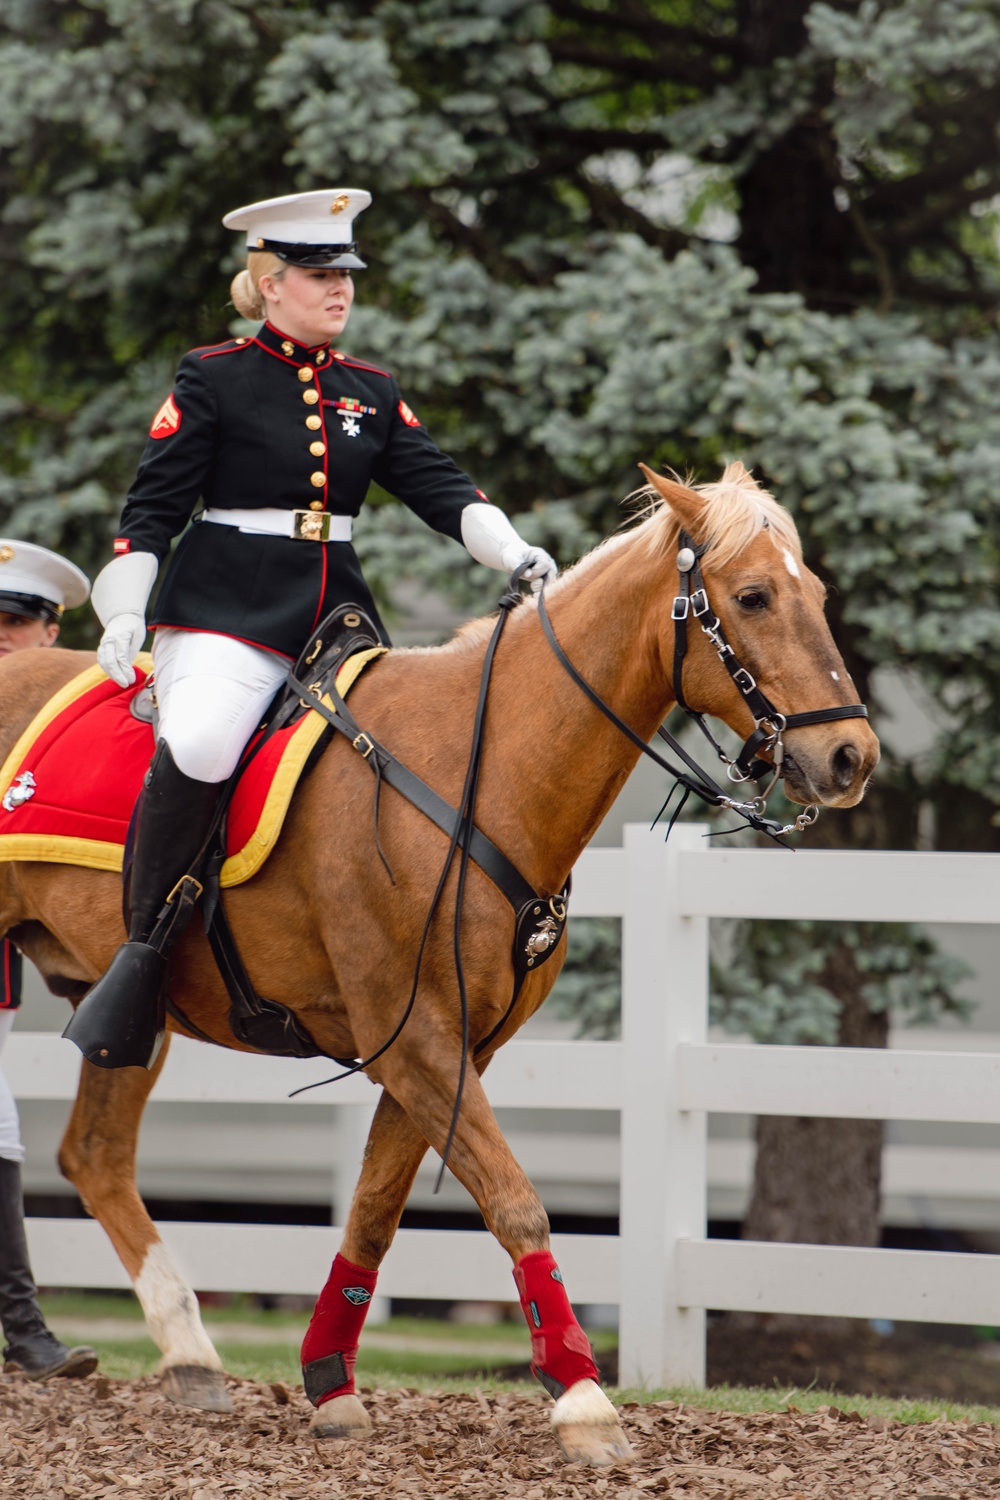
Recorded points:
(350,412)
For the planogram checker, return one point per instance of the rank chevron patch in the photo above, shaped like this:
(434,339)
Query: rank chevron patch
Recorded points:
(167,419)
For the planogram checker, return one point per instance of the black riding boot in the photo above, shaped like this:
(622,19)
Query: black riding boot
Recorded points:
(30,1346)
(119,1023)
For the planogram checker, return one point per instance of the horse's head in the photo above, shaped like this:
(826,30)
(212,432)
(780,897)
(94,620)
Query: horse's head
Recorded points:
(771,610)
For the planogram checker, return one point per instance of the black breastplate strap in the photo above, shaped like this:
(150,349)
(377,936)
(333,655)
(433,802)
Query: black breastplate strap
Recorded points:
(504,875)
(539,920)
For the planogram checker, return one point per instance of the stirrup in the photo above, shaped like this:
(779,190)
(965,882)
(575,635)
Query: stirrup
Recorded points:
(120,1022)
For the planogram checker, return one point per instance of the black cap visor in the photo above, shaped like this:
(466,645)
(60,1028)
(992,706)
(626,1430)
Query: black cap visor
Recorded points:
(29,607)
(323,257)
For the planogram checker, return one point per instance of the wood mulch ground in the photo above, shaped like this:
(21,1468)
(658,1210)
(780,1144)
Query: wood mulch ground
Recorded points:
(98,1438)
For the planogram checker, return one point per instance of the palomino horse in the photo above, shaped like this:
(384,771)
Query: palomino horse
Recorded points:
(322,929)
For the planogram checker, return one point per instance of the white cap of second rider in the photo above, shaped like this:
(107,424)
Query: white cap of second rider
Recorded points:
(38,584)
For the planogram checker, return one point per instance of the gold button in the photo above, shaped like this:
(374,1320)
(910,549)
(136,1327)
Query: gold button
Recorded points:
(306,373)
(288,348)
(311,396)
(313,422)
(320,357)
(317,449)
(315,505)
(317,479)
(241,341)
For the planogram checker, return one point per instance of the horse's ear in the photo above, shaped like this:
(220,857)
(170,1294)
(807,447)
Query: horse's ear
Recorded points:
(686,504)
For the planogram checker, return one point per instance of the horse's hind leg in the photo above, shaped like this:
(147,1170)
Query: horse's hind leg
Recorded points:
(97,1155)
(393,1153)
(584,1420)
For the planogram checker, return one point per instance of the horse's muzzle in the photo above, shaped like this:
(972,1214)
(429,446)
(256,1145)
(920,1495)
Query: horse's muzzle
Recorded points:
(836,778)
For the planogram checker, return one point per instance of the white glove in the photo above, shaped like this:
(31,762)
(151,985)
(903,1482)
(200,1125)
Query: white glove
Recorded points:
(492,540)
(120,645)
(120,593)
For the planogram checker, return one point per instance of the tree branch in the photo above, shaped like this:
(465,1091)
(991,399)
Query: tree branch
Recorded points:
(592,141)
(637,21)
(467,236)
(935,210)
(610,209)
(661,68)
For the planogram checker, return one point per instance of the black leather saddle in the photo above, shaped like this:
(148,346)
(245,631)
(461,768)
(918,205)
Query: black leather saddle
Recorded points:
(346,630)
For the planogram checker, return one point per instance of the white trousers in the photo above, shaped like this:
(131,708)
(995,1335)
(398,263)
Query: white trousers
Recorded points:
(211,691)
(11,1148)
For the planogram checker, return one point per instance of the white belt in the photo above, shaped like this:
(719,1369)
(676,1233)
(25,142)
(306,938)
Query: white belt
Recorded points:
(301,525)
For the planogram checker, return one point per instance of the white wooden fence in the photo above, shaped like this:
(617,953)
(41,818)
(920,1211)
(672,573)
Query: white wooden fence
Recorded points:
(663,1077)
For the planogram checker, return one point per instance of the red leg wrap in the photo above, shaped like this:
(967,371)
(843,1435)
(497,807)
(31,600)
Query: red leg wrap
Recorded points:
(560,1350)
(330,1347)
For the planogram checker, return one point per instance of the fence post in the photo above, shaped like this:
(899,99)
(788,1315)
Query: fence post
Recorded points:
(663,1191)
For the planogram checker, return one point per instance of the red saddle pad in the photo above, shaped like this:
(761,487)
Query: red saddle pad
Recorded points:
(69,785)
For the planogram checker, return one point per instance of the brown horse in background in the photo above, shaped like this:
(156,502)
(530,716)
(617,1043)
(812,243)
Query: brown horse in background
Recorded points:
(322,929)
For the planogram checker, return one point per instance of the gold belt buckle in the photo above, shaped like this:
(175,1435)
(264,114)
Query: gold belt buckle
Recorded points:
(311,525)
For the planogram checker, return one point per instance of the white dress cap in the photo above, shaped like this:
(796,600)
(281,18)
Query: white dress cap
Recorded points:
(307,229)
(36,583)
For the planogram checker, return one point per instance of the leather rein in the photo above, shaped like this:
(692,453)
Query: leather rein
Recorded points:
(539,919)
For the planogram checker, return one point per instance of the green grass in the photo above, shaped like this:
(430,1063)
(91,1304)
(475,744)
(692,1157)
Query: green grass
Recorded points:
(759,1398)
(275,1358)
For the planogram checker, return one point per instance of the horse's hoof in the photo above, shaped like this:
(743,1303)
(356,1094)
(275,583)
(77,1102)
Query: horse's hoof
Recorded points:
(343,1417)
(588,1428)
(194,1385)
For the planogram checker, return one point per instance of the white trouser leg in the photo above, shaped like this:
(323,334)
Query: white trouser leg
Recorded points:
(211,691)
(11,1148)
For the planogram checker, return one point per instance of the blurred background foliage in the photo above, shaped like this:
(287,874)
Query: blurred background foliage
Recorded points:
(680,231)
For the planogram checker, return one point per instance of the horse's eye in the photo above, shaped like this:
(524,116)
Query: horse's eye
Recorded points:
(752,599)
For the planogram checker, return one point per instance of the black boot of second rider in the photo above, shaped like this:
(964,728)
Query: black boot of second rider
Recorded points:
(31,1348)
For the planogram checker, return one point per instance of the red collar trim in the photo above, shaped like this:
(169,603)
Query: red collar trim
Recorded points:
(273,339)
(357,364)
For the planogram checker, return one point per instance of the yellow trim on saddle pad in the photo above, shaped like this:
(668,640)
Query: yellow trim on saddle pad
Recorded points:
(61,849)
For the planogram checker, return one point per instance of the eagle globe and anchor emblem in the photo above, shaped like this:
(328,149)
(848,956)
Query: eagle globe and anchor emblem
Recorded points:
(20,790)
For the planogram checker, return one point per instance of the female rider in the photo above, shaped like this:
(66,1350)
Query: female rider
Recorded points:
(278,436)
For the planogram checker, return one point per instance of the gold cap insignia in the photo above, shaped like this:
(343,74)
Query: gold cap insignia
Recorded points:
(339,203)
(6,553)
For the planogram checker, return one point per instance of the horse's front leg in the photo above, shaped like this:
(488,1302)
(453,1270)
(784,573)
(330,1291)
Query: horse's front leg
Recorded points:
(393,1153)
(584,1420)
(97,1155)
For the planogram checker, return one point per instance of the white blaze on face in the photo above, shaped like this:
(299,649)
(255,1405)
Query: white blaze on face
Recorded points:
(172,1313)
(791,564)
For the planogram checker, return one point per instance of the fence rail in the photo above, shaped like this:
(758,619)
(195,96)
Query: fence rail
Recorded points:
(662,1078)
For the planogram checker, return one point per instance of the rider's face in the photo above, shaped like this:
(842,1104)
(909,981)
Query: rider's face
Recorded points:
(16,633)
(311,305)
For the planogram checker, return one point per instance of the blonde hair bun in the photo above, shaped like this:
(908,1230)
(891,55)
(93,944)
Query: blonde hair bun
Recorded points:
(246,299)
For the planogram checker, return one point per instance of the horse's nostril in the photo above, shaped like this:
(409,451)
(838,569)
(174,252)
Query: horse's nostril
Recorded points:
(845,763)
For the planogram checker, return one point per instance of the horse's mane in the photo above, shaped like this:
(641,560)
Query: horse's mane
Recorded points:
(736,508)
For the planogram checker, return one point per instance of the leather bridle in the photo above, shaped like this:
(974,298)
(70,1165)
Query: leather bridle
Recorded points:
(692,603)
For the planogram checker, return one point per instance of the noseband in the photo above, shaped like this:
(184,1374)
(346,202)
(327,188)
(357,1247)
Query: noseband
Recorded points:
(692,603)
